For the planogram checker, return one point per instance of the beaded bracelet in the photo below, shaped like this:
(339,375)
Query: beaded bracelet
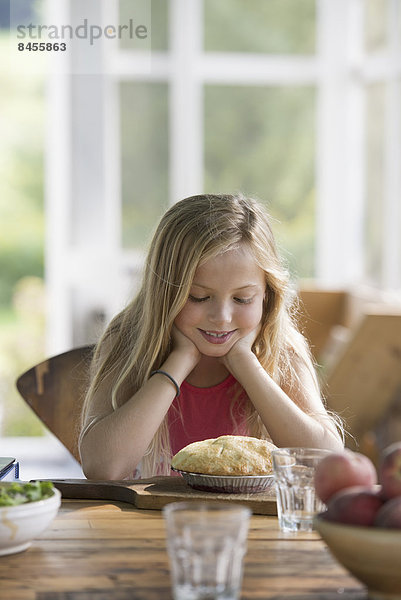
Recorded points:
(173,381)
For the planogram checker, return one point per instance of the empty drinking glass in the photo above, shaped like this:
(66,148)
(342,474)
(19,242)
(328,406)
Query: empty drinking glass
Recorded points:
(294,472)
(206,543)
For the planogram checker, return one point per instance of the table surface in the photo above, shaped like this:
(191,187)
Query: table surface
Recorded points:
(99,550)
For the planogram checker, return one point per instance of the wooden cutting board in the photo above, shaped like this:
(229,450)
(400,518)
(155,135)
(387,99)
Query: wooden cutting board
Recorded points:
(156,492)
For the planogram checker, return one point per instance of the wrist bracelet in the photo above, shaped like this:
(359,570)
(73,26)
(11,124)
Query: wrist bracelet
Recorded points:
(173,381)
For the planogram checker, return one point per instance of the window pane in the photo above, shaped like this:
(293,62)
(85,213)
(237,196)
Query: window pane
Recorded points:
(144,146)
(399,22)
(262,141)
(375,24)
(374,180)
(273,26)
(159,22)
(22,222)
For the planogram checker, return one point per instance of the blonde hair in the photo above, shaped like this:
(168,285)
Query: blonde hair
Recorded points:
(138,338)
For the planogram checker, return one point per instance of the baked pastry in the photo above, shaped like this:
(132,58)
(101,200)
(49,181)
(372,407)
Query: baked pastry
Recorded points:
(226,455)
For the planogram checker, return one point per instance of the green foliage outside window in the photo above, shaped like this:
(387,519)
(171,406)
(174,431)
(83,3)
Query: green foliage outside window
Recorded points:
(258,140)
(260,26)
(21,239)
(261,141)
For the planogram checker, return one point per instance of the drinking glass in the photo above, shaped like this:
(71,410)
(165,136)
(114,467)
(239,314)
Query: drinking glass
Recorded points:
(294,472)
(206,543)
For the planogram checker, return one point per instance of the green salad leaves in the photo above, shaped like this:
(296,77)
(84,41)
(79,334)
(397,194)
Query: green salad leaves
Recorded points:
(19,493)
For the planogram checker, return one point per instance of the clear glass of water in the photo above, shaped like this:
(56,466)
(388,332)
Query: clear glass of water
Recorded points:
(206,543)
(294,472)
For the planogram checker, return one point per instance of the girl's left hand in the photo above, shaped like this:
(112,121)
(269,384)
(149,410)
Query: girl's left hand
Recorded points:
(243,347)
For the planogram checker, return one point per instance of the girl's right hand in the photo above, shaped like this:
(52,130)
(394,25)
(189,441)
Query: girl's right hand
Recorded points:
(182,344)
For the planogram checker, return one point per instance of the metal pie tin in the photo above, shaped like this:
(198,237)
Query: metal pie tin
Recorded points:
(227,484)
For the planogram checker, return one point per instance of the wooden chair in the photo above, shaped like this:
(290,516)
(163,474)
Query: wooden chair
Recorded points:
(55,389)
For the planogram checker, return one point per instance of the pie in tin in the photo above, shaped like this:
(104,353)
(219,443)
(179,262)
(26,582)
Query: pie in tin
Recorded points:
(227,455)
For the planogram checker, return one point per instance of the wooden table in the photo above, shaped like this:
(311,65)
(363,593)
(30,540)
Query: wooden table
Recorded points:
(102,550)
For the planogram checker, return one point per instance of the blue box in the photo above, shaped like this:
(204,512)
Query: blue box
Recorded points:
(9,468)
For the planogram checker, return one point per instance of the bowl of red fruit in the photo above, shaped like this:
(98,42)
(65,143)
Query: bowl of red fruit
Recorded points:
(362,523)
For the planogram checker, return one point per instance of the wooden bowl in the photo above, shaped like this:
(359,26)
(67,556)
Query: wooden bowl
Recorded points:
(371,554)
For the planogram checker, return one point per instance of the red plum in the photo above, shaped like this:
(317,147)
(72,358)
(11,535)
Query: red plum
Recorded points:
(389,515)
(390,470)
(342,470)
(356,505)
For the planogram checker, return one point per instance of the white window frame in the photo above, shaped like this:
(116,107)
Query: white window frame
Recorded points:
(341,156)
(95,266)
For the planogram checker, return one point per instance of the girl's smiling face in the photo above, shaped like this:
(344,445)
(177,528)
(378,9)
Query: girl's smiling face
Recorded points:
(225,302)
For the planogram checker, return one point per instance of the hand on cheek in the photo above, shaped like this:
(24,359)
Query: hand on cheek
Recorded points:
(181,343)
(242,347)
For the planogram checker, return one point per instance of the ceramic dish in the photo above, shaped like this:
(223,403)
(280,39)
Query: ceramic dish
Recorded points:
(371,554)
(21,524)
(229,484)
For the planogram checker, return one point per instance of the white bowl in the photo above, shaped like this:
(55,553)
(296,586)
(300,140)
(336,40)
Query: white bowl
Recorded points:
(21,524)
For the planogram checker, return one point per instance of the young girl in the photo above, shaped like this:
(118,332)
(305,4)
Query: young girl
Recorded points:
(208,347)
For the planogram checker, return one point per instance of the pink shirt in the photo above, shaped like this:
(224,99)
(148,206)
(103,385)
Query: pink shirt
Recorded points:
(205,413)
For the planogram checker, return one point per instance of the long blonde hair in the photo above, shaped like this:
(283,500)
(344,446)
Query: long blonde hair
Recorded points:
(138,338)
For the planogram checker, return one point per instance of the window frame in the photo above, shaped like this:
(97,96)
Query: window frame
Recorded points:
(88,273)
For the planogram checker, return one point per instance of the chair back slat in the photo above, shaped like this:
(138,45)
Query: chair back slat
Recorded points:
(55,390)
